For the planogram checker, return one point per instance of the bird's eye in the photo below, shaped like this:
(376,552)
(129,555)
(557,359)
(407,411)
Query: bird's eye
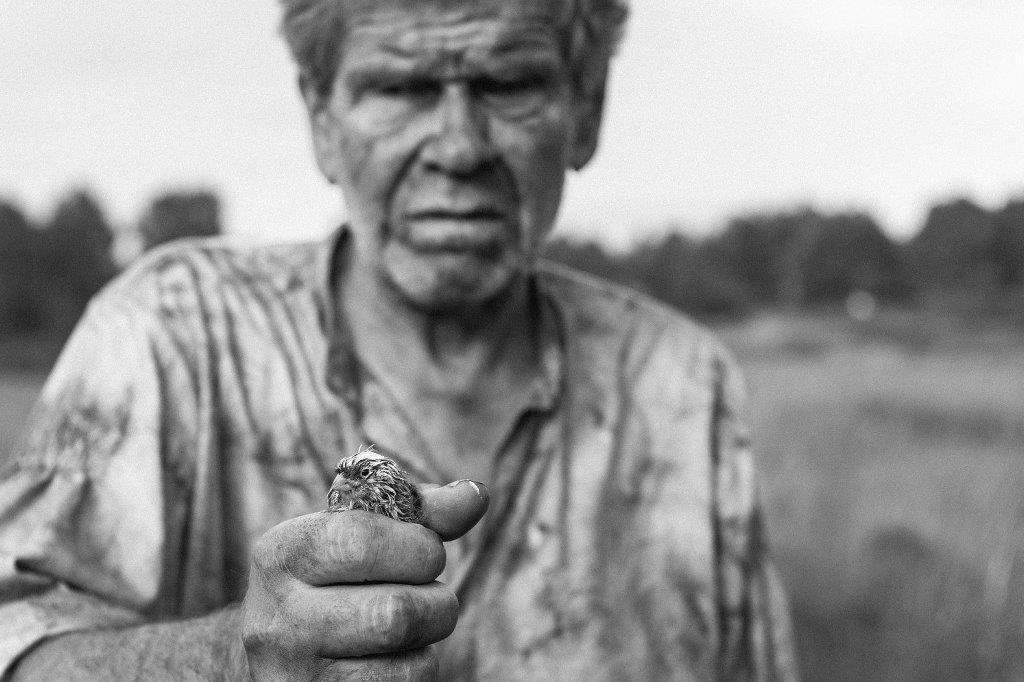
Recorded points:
(365,472)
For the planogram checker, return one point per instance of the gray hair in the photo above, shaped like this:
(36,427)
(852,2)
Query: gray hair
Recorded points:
(314,30)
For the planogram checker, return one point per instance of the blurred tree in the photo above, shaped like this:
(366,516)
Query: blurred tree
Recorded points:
(20,307)
(1008,245)
(586,257)
(746,247)
(76,258)
(768,253)
(177,215)
(952,254)
(848,253)
(675,269)
(683,273)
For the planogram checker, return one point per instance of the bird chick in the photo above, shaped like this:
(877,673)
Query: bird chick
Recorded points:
(374,483)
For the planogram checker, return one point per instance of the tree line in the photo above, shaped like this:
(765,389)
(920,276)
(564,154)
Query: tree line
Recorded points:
(964,257)
(49,270)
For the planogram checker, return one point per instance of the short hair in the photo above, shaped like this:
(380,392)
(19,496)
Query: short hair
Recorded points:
(314,30)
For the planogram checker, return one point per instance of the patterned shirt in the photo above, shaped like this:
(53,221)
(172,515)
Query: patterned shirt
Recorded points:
(208,392)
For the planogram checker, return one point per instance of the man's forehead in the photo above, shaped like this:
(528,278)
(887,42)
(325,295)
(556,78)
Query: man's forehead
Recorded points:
(404,12)
(450,32)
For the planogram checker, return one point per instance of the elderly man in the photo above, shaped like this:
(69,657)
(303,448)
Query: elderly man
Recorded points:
(165,517)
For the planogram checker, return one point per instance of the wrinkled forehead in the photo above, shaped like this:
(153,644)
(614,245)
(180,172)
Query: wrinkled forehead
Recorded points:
(551,11)
(451,34)
(416,21)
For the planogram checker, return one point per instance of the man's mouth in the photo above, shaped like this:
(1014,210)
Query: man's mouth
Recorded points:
(480,231)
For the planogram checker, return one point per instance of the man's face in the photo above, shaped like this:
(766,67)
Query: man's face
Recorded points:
(449,129)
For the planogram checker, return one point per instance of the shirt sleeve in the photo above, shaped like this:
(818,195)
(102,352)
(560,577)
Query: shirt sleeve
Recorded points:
(81,508)
(755,630)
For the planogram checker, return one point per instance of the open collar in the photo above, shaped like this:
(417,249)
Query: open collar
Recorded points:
(344,371)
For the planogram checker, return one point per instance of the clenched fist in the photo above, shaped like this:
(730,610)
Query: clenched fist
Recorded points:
(353,594)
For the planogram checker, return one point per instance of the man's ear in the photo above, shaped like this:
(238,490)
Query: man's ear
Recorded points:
(589,110)
(322,127)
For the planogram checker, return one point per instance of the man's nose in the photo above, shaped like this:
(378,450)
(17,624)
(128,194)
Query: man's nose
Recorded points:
(462,142)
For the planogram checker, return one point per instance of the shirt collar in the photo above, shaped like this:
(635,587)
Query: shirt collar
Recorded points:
(550,366)
(343,368)
(324,277)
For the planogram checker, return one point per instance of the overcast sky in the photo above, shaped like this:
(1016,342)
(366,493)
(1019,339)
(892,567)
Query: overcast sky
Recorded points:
(717,107)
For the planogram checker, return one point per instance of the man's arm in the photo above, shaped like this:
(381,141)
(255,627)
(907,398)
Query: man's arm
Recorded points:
(346,595)
(84,537)
(82,523)
(208,648)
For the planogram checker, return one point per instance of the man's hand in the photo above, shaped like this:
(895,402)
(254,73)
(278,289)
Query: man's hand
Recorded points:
(354,594)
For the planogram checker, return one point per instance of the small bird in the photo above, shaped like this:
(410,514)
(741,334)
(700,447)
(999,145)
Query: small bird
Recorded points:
(372,482)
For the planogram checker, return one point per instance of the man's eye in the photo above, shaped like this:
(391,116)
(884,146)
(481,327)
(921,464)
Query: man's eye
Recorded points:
(412,89)
(515,97)
(365,472)
(512,86)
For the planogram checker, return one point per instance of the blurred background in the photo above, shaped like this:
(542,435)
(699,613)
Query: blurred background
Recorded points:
(838,190)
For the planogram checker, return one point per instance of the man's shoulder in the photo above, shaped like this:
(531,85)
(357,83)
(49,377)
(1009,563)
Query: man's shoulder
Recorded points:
(211,266)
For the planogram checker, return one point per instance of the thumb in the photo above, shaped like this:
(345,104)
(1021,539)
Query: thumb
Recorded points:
(451,510)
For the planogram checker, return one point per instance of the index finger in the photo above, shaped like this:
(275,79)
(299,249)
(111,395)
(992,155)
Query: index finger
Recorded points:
(329,548)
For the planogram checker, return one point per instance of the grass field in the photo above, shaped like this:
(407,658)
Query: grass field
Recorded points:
(892,468)
(893,475)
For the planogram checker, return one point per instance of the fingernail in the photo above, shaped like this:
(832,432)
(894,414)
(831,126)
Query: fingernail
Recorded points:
(476,486)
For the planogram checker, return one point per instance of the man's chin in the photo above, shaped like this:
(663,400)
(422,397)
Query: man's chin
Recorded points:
(450,281)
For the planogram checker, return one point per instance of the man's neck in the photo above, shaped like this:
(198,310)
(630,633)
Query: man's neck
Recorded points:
(460,380)
(446,352)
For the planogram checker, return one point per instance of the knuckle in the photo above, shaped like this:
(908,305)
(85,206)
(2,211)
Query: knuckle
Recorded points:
(452,601)
(393,620)
(433,553)
(272,548)
(264,551)
(254,638)
(368,547)
(357,545)
(266,621)
(448,613)
(259,639)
